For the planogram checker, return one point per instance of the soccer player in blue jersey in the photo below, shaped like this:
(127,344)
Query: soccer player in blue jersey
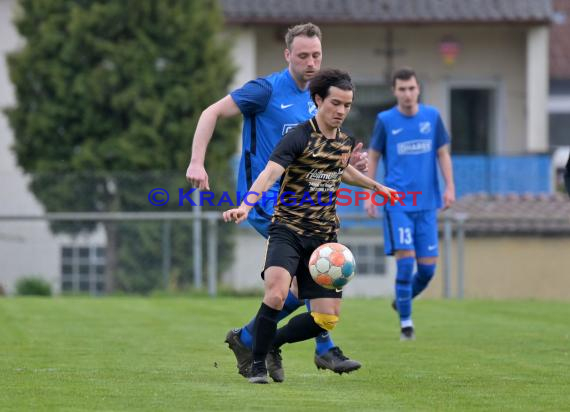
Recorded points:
(270,106)
(411,139)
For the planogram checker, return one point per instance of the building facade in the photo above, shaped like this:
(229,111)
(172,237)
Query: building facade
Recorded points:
(484,64)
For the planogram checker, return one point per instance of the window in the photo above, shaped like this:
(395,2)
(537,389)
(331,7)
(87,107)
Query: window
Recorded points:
(559,129)
(472,120)
(559,113)
(83,269)
(369,256)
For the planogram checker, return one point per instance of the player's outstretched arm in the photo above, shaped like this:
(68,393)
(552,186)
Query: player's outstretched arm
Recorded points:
(353,177)
(196,173)
(444,159)
(262,184)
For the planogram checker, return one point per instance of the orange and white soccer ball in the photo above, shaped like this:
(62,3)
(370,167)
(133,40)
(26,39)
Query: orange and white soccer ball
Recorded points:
(332,265)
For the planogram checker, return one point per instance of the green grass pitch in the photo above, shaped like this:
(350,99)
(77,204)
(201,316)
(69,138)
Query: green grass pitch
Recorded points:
(166,354)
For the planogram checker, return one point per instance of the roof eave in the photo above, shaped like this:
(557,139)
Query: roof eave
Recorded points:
(265,21)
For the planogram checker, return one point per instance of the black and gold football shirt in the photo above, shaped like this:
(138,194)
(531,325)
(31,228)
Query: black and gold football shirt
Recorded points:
(313,169)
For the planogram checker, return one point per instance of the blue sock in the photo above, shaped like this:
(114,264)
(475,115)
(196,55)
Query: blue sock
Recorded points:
(323,341)
(404,288)
(290,306)
(422,278)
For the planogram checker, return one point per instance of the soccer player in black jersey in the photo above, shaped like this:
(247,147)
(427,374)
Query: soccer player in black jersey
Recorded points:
(311,160)
(271,106)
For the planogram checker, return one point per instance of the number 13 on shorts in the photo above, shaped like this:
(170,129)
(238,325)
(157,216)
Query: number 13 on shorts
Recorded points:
(405,235)
(411,231)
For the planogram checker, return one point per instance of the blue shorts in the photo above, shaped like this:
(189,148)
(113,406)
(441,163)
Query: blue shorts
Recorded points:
(411,231)
(260,219)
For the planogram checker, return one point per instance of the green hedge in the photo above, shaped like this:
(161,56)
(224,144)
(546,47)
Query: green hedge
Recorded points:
(33,286)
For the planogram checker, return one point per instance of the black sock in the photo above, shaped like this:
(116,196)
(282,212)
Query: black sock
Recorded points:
(299,328)
(264,331)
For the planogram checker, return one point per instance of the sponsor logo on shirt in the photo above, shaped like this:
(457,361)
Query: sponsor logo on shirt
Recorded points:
(397,131)
(320,175)
(312,108)
(322,181)
(425,127)
(285,106)
(414,147)
(287,127)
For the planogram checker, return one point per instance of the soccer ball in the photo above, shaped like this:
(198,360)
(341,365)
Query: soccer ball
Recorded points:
(332,265)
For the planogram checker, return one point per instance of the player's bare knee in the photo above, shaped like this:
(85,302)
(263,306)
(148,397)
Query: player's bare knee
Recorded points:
(275,294)
(277,281)
(330,306)
(274,299)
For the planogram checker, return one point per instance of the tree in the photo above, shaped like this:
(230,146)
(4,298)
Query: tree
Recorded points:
(108,94)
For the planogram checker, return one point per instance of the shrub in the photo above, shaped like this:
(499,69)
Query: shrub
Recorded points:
(33,286)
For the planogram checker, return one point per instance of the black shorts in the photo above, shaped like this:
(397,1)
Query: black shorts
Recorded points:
(292,252)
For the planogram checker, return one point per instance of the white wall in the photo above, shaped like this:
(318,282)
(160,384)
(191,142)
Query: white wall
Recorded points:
(249,257)
(8,41)
(26,248)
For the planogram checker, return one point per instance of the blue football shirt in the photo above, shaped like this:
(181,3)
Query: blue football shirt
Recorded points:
(409,145)
(271,106)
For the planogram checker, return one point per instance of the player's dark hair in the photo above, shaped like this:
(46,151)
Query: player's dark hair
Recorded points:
(327,78)
(307,29)
(404,73)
